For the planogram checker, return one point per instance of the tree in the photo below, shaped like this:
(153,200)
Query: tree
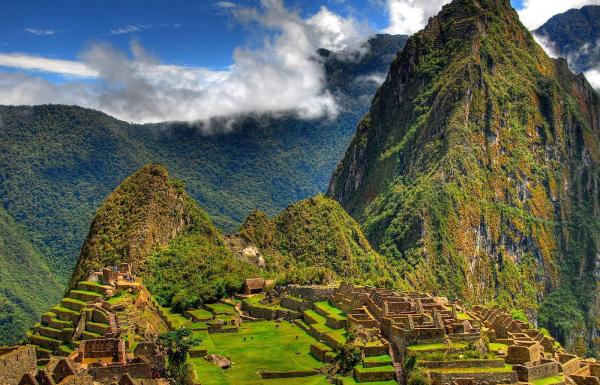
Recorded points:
(177,343)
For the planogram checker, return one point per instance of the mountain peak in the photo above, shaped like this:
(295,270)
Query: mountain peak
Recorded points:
(469,160)
(145,211)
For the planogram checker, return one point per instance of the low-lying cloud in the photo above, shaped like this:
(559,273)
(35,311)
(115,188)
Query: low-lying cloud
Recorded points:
(282,75)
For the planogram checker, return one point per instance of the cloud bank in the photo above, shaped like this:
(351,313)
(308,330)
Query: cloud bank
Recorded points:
(409,16)
(536,12)
(282,75)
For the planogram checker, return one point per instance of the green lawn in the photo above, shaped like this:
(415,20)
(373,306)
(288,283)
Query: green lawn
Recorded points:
(440,346)
(548,380)
(220,308)
(494,347)
(463,316)
(266,347)
(352,381)
(326,307)
(201,314)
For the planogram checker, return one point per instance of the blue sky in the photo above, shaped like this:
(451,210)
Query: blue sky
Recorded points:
(187,32)
(156,60)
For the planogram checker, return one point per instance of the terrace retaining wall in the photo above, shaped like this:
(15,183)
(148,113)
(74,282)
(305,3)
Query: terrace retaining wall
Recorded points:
(492,378)
(311,293)
(270,314)
(462,364)
(16,362)
(266,375)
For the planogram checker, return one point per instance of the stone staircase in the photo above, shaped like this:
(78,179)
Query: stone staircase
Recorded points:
(396,360)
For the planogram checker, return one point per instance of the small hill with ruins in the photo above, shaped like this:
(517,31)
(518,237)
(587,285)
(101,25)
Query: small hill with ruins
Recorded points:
(146,211)
(315,240)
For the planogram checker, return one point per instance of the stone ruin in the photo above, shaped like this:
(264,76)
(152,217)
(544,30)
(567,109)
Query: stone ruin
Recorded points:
(102,361)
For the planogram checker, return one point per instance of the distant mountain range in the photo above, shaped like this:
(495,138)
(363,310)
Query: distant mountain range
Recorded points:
(576,36)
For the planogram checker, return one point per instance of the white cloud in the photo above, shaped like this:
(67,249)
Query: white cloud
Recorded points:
(225,4)
(131,28)
(547,44)
(409,16)
(593,76)
(38,63)
(282,75)
(534,13)
(335,32)
(40,32)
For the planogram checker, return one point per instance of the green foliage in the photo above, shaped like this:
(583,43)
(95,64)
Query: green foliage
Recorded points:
(193,270)
(347,357)
(560,314)
(309,276)
(26,283)
(417,377)
(177,343)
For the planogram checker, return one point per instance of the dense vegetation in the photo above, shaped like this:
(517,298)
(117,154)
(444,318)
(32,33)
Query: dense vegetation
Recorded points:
(575,34)
(479,184)
(315,241)
(26,283)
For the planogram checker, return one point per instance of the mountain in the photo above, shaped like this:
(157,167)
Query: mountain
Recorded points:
(315,240)
(575,35)
(150,222)
(476,170)
(26,283)
(146,211)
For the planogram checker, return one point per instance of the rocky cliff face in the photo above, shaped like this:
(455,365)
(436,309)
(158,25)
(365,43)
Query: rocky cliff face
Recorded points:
(146,211)
(476,170)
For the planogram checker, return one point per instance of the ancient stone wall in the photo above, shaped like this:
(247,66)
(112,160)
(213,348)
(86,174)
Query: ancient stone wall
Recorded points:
(540,370)
(16,362)
(114,372)
(295,304)
(311,293)
(491,378)
(462,364)
(262,312)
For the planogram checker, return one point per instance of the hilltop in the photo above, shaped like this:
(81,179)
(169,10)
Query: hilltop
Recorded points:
(474,170)
(316,241)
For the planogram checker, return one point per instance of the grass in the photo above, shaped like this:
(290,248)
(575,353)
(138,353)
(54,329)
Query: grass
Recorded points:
(494,347)
(267,346)
(378,359)
(220,308)
(440,346)
(375,369)
(548,380)
(319,319)
(352,381)
(201,314)
(329,309)
(463,317)
(118,298)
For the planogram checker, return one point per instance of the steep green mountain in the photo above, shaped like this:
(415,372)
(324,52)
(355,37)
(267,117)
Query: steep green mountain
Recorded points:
(26,283)
(576,36)
(315,240)
(145,212)
(151,222)
(476,170)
